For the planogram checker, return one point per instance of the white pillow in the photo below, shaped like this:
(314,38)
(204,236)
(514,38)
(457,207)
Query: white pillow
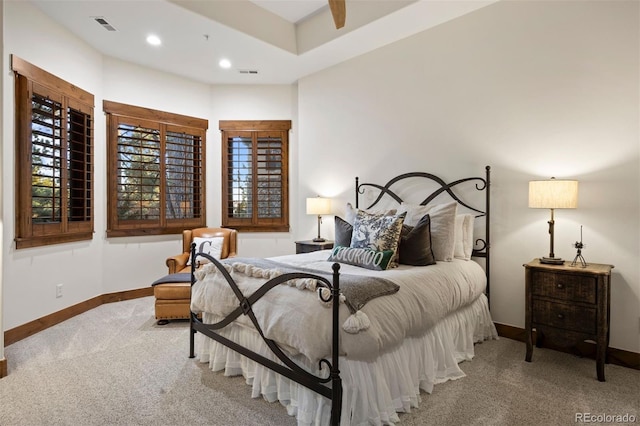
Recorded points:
(443,221)
(208,245)
(351,212)
(464,236)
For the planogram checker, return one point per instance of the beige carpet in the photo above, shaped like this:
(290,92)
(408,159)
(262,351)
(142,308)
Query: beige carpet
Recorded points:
(114,366)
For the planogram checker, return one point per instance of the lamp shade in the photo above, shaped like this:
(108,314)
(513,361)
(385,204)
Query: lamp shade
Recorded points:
(318,206)
(553,194)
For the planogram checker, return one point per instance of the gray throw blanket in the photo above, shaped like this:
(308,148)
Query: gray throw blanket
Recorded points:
(357,289)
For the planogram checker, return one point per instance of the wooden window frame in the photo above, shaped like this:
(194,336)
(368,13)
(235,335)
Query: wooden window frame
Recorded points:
(231,128)
(75,186)
(165,122)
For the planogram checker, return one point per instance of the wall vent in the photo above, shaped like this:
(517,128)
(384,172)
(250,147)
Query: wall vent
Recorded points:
(107,26)
(248,71)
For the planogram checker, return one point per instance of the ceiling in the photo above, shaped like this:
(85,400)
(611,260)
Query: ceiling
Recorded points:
(266,41)
(292,10)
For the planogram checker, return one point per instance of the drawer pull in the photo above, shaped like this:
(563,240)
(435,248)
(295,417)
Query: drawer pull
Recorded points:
(560,316)
(560,286)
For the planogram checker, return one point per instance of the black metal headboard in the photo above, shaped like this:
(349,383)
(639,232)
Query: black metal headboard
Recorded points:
(482,245)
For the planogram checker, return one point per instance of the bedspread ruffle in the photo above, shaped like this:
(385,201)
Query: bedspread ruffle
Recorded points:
(373,392)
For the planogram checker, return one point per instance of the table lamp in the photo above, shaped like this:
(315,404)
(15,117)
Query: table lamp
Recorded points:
(553,194)
(318,206)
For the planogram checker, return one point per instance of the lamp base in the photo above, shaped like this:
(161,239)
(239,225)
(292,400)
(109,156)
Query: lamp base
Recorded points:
(552,260)
(319,240)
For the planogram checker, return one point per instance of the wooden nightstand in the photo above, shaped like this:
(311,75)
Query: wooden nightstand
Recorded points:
(310,245)
(568,304)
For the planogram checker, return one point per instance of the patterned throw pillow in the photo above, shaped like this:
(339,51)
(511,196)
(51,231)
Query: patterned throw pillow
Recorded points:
(351,212)
(211,246)
(363,257)
(377,232)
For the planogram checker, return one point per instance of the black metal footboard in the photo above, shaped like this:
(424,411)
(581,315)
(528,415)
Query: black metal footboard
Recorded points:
(330,386)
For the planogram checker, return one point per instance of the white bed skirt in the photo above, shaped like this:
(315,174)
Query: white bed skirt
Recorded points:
(374,391)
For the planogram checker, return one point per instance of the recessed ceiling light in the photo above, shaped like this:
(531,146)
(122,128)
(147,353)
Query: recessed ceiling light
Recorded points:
(224,63)
(154,40)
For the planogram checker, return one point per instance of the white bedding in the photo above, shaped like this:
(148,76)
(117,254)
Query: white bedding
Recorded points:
(301,324)
(373,391)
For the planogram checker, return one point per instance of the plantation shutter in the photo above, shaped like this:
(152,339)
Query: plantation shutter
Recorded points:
(54,159)
(47,159)
(138,173)
(158,187)
(255,175)
(269,169)
(79,164)
(184,172)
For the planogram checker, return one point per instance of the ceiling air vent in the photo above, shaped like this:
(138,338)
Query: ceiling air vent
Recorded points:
(104,23)
(248,71)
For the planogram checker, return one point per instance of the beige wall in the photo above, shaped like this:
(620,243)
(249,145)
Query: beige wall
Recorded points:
(105,265)
(534,89)
(2,63)
(30,275)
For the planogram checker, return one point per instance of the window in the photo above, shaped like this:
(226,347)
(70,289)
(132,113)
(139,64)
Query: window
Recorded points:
(156,171)
(255,182)
(54,158)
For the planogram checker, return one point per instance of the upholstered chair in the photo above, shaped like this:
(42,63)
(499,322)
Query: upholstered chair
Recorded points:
(173,298)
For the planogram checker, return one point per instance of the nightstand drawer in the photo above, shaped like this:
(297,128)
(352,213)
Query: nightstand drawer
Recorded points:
(578,288)
(568,317)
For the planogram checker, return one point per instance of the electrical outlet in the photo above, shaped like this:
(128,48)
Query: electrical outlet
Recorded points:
(58,290)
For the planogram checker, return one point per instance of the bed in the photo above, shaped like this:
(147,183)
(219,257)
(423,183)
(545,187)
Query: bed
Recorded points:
(339,341)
